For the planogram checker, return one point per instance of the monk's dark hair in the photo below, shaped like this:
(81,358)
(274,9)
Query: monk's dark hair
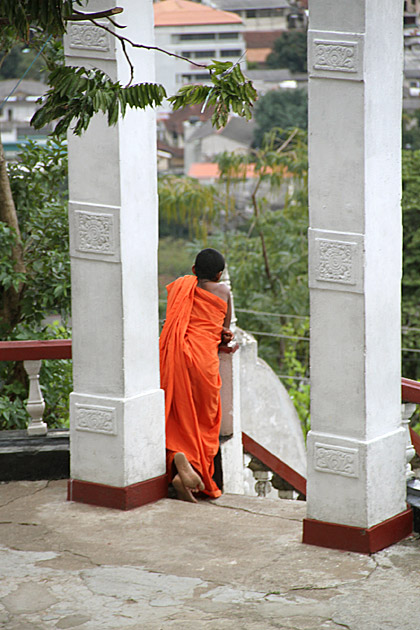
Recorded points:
(208,263)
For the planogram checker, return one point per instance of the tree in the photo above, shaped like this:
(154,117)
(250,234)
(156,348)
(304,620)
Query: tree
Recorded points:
(411,130)
(267,252)
(289,51)
(18,61)
(77,93)
(38,184)
(280,108)
(411,262)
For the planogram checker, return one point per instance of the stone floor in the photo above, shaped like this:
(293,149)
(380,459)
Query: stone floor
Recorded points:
(235,563)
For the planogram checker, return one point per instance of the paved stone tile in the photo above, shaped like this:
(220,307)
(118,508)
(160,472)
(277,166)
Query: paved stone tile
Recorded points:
(235,563)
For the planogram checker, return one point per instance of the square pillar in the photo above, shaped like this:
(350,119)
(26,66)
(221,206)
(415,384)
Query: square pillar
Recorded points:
(117,407)
(356,481)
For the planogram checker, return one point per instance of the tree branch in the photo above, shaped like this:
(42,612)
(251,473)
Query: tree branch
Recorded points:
(122,39)
(79,15)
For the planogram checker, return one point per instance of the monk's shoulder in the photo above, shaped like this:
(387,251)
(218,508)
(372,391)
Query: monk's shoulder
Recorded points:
(221,290)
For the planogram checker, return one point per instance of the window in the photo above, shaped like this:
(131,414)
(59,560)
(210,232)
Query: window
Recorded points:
(198,54)
(194,78)
(251,13)
(228,35)
(184,37)
(231,53)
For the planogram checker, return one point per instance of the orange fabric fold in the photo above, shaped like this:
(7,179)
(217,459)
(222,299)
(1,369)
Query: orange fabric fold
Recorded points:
(189,365)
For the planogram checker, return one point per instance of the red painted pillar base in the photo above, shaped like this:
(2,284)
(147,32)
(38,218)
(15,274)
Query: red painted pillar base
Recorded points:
(359,539)
(125,498)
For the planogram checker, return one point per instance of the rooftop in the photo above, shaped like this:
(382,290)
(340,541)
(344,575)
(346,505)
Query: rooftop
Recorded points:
(238,5)
(237,129)
(185,13)
(234,563)
(25,88)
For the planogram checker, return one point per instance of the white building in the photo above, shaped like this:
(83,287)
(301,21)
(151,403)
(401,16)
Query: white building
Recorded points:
(16,112)
(411,12)
(195,31)
(258,15)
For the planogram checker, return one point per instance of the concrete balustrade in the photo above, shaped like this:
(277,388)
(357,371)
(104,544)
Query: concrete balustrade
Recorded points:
(407,410)
(35,405)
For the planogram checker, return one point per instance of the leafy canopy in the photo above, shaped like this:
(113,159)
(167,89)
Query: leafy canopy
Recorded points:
(289,51)
(280,108)
(78,93)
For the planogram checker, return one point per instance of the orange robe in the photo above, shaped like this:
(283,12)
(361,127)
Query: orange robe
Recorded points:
(189,365)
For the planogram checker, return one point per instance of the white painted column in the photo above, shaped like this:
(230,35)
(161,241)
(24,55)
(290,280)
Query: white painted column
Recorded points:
(356,448)
(117,408)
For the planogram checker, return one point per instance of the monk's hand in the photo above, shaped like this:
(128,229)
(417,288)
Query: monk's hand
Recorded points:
(227,336)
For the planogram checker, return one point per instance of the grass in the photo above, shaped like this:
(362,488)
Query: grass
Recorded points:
(175,259)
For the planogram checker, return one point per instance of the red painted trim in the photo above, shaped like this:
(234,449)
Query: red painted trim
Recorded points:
(229,349)
(359,539)
(34,350)
(125,498)
(410,391)
(415,439)
(274,463)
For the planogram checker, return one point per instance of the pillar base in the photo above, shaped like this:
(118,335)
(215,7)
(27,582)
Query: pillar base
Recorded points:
(125,498)
(359,539)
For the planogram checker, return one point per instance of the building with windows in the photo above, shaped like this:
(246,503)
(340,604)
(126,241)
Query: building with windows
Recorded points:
(18,105)
(258,15)
(197,32)
(411,12)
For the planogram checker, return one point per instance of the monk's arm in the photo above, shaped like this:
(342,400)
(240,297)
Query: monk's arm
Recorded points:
(228,315)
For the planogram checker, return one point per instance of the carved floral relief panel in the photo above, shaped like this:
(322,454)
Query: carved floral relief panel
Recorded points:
(336,55)
(336,460)
(94,232)
(336,260)
(88,36)
(95,419)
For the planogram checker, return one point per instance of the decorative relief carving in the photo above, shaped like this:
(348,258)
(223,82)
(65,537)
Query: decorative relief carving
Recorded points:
(88,37)
(96,419)
(336,261)
(335,56)
(337,460)
(95,233)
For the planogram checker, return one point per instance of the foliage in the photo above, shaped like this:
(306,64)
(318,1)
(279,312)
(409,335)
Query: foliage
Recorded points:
(185,202)
(21,15)
(230,91)
(298,386)
(15,63)
(39,185)
(9,275)
(280,108)
(411,277)
(289,51)
(55,381)
(267,252)
(78,93)
(175,260)
(411,130)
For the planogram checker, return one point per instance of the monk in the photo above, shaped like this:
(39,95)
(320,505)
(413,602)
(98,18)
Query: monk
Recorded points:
(197,321)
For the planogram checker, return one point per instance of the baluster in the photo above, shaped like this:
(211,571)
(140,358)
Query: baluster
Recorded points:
(226,279)
(407,410)
(284,489)
(262,475)
(35,405)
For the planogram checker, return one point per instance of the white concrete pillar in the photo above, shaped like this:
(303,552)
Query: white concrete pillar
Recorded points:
(356,448)
(117,408)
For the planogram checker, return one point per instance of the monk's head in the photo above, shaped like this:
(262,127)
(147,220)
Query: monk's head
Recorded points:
(209,264)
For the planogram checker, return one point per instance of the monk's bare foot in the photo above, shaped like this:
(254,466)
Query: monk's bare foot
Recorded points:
(182,493)
(189,477)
